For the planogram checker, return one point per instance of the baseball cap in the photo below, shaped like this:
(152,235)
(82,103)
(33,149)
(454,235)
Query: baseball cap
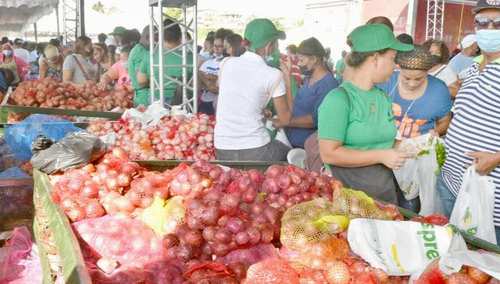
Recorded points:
(119,31)
(311,46)
(259,32)
(486,4)
(375,37)
(467,41)
(50,51)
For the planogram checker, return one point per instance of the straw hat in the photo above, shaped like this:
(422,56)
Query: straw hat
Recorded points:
(417,59)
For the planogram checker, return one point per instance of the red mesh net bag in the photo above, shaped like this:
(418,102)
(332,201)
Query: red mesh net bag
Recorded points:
(272,271)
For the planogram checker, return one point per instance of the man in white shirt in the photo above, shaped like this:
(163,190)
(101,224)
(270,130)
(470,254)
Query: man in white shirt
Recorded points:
(209,72)
(456,69)
(19,51)
(246,85)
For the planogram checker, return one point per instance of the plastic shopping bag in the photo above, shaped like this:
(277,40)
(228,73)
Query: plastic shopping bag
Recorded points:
(398,247)
(77,148)
(408,176)
(21,136)
(473,210)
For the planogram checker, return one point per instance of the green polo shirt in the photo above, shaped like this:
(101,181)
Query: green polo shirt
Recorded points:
(359,119)
(135,58)
(169,58)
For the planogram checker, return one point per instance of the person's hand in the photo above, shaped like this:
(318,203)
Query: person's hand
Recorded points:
(485,162)
(278,123)
(433,133)
(394,159)
(268,114)
(102,86)
(286,66)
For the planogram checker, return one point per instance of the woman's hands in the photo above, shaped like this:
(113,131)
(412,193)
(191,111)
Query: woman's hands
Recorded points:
(394,159)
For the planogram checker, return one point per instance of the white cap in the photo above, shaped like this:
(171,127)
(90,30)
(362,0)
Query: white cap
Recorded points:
(467,41)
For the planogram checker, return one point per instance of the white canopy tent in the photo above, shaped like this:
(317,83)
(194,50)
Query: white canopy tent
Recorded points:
(19,15)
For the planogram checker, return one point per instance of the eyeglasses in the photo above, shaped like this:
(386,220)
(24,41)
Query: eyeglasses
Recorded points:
(484,22)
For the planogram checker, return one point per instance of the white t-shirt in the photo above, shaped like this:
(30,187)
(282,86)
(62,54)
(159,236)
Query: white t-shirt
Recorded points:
(246,85)
(447,75)
(211,67)
(23,54)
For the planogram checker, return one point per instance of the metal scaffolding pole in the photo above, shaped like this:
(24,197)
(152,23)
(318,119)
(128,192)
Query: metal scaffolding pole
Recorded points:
(186,49)
(435,19)
(71,20)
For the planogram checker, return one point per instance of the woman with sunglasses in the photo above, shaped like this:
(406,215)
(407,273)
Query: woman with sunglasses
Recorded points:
(474,133)
(51,63)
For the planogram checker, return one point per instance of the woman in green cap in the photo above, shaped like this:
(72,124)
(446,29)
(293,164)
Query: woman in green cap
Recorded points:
(356,127)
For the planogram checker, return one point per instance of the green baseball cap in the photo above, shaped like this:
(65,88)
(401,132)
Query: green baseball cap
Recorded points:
(261,31)
(119,31)
(375,37)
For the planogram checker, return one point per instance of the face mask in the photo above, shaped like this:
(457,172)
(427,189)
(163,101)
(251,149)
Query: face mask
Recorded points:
(273,59)
(436,59)
(7,52)
(305,71)
(488,40)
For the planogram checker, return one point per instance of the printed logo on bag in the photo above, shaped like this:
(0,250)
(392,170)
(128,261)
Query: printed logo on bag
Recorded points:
(493,2)
(467,221)
(428,235)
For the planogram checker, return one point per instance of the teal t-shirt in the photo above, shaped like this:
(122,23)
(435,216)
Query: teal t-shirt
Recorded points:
(359,119)
(169,58)
(135,58)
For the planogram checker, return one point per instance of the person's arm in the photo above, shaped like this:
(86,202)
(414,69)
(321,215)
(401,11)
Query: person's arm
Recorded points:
(108,77)
(454,87)
(142,79)
(42,71)
(209,82)
(68,69)
(67,75)
(334,153)
(283,112)
(305,121)
(485,162)
(286,69)
(443,124)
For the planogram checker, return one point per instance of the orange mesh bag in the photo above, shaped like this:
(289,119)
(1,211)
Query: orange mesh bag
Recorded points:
(272,271)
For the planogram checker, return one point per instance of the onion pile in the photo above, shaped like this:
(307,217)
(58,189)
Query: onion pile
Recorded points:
(52,94)
(174,137)
(93,191)
(286,186)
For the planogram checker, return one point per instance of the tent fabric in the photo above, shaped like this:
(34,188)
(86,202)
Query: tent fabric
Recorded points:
(19,15)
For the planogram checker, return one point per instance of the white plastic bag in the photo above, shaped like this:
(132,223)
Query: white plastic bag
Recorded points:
(150,117)
(398,247)
(414,175)
(473,210)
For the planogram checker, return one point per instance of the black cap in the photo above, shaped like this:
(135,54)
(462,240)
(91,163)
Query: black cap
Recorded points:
(486,4)
(311,46)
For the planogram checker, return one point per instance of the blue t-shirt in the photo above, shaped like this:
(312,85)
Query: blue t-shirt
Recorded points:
(307,101)
(460,62)
(422,113)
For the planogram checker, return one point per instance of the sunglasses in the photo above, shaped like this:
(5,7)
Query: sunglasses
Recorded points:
(484,22)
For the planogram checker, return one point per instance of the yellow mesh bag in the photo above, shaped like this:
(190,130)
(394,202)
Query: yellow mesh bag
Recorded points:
(356,204)
(310,222)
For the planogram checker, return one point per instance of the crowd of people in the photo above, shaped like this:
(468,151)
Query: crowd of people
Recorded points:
(349,116)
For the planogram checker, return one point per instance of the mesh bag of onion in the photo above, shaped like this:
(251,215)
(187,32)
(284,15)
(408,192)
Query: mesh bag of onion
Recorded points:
(118,249)
(356,204)
(16,195)
(311,222)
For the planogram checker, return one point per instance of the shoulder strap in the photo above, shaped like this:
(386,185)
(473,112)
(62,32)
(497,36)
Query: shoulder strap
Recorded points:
(85,74)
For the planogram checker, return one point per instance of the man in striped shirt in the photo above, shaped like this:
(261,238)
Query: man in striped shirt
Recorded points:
(474,133)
